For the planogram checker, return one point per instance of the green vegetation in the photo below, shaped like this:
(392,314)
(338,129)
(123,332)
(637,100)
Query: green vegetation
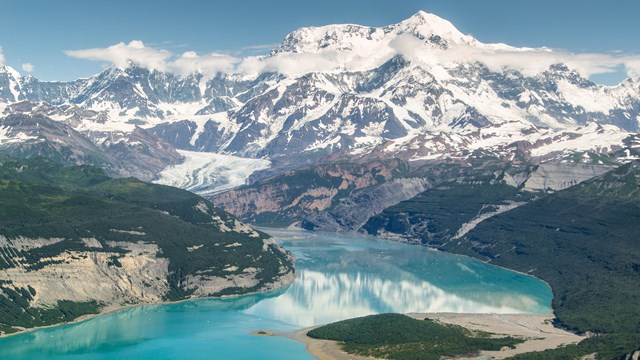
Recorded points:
(15,311)
(438,213)
(583,241)
(394,336)
(4,329)
(41,199)
(612,346)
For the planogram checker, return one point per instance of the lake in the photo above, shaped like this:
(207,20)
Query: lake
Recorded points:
(338,277)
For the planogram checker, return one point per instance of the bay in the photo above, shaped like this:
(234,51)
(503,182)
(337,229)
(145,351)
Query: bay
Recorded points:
(338,277)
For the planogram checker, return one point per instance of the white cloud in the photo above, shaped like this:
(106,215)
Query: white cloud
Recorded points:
(209,64)
(530,61)
(290,63)
(632,65)
(1,57)
(136,52)
(121,55)
(261,47)
(495,56)
(28,67)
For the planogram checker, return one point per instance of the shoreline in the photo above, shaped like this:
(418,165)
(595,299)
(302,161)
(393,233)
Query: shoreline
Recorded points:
(114,308)
(321,349)
(292,227)
(537,329)
(327,350)
(543,323)
(487,262)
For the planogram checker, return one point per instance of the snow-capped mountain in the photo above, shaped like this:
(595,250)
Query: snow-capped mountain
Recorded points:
(10,84)
(406,90)
(137,153)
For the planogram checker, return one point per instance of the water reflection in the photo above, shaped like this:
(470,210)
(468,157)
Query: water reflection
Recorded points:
(318,298)
(338,277)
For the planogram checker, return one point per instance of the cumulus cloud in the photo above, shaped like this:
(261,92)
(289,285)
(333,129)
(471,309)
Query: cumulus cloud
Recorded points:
(190,62)
(28,67)
(632,64)
(496,57)
(529,61)
(136,52)
(290,63)
(122,55)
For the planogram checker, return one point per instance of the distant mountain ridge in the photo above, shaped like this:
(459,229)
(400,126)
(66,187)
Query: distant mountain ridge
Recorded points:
(349,91)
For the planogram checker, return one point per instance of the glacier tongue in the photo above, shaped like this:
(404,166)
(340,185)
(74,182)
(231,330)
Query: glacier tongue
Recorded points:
(208,173)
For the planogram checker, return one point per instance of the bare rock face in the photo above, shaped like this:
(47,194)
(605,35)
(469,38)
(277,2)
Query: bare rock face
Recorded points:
(285,199)
(140,154)
(354,211)
(201,284)
(558,176)
(136,273)
(343,197)
(635,355)
(111,278)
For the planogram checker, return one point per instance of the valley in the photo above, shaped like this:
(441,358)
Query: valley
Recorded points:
(337,277)
(144,185)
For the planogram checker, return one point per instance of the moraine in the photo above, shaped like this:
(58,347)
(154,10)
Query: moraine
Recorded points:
(338,277)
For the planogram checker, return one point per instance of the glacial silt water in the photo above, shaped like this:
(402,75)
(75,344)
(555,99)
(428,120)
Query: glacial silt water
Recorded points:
(338,277)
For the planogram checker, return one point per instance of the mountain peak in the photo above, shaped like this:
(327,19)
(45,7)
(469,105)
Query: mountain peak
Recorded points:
(424,24)
(423,17)
(350,37)
(6,69)
(10,82)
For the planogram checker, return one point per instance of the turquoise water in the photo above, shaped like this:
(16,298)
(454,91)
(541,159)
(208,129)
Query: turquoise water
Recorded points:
(338,277)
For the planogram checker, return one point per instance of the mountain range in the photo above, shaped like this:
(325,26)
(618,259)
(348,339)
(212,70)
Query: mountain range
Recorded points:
(329,93)
(413,131)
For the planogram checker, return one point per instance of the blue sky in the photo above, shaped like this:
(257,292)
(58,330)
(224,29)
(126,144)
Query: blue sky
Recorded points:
(37,32)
